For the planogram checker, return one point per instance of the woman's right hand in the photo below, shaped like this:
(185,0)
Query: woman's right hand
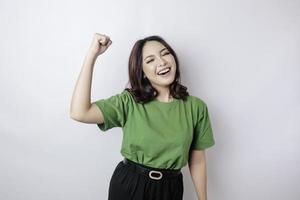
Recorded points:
(99,44)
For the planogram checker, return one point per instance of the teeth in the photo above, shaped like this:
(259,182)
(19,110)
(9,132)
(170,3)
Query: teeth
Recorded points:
(166,70)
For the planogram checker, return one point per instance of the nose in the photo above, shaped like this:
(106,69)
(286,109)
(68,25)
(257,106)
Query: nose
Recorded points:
(162,61)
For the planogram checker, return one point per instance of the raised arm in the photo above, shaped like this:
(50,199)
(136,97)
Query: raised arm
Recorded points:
(81,108)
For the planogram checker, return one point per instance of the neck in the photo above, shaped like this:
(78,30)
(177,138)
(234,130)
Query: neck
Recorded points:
(164,94)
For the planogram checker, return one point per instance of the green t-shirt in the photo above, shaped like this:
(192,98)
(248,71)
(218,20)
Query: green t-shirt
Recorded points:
(158,134)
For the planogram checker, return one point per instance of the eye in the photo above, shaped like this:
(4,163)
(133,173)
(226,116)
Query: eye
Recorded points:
(149,61)
(166,53)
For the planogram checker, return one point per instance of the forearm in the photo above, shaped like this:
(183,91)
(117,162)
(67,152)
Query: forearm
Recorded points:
(199,177)
(81,99)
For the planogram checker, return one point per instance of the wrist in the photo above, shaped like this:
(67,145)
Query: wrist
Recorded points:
(91,55)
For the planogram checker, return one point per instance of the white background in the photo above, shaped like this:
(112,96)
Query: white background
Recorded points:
(240,56)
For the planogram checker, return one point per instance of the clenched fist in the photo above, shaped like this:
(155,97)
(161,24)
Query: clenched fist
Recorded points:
(99,44)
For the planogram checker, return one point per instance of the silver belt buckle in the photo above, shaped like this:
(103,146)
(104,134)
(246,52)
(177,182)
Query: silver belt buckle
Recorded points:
(153,177)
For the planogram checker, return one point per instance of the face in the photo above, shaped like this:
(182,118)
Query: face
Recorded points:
(155,58)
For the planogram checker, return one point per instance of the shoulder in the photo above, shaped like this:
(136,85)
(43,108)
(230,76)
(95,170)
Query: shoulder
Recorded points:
(120,97)
(196,102)
(199,107)
(125,96)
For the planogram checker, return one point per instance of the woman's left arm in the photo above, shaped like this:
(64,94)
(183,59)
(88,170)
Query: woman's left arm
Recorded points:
(197,167)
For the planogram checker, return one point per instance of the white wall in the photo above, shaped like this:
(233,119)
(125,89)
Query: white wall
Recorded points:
(241,57)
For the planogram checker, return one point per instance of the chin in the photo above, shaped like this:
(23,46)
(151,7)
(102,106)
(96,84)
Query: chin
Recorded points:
(166,83)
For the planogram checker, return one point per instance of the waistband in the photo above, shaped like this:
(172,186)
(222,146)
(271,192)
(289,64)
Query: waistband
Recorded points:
(151,172)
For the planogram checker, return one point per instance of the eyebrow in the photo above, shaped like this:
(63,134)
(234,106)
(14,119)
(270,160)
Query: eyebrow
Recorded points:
(160,52)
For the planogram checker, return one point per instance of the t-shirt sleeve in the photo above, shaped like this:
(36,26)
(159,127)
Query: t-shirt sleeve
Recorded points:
(203,134)
(114,110)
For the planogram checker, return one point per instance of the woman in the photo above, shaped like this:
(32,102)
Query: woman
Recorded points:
(164,127)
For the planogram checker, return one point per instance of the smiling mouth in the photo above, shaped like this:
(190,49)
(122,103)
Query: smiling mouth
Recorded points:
(164,71)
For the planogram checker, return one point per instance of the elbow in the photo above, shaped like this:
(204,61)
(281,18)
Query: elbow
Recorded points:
(75,117)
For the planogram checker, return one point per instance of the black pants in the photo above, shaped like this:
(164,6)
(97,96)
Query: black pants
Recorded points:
(126,184)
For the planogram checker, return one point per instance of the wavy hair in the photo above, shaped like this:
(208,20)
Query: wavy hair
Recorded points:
(140,87)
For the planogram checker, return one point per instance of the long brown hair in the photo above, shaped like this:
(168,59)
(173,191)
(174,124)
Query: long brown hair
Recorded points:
(141,89)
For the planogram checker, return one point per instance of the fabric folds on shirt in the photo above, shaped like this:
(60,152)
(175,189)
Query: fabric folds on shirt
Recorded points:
(158,134)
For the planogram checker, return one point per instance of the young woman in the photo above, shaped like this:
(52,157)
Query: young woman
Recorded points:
(164,128)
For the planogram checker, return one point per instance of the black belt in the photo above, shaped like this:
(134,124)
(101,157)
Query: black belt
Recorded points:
(153,173)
